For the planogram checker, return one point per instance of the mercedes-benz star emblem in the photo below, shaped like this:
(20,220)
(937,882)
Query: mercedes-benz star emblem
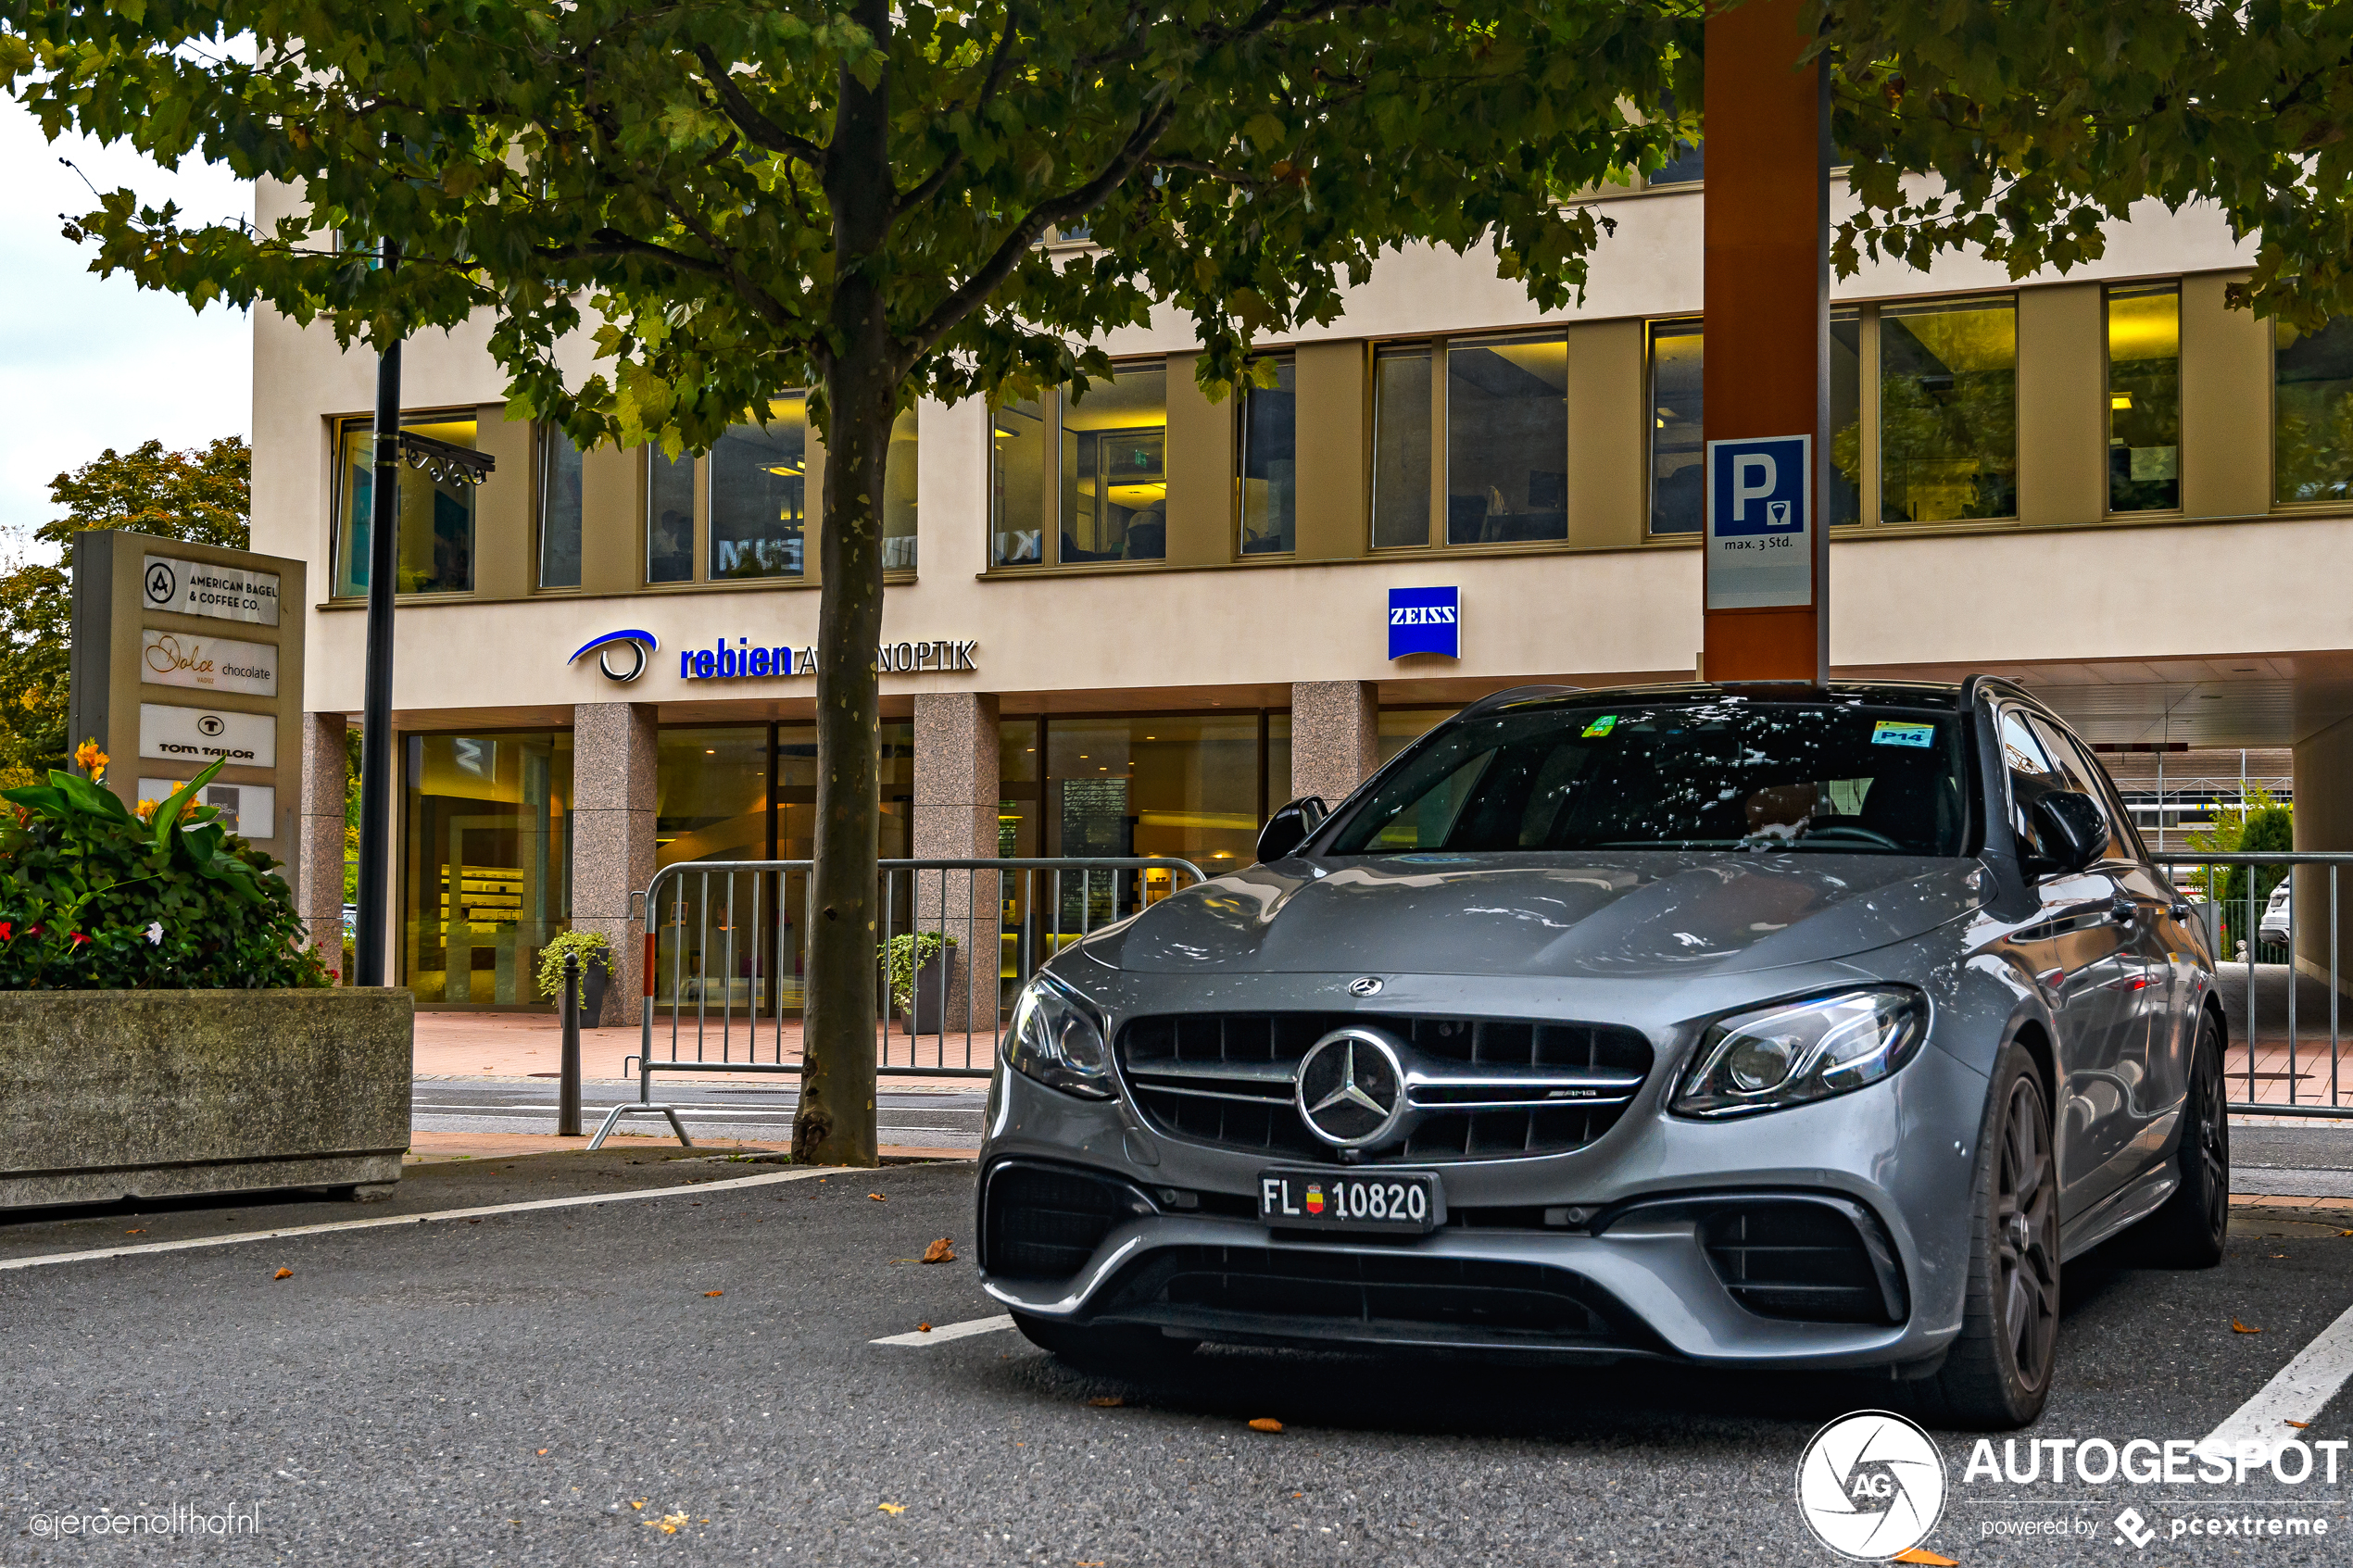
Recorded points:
(1368,986)
(1351,1088)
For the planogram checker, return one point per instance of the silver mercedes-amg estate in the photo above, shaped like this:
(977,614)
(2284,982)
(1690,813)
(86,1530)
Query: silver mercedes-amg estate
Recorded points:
(1757,1027)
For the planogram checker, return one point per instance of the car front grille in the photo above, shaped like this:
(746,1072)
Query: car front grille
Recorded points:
(1485,1088)
(1303,1293)
(1812,1260)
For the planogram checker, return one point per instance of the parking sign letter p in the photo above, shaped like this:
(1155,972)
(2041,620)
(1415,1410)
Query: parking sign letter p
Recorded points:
(1744,464)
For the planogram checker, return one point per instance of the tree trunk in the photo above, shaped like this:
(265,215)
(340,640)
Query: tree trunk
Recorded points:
(836,1122)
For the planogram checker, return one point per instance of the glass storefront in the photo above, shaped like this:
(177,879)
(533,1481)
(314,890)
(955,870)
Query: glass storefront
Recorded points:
(487,876)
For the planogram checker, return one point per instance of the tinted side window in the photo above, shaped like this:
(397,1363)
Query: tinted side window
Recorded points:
(2084,776)
(2032,775)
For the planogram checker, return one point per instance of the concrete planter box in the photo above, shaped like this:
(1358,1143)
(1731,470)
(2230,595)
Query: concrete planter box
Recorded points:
(105,1095)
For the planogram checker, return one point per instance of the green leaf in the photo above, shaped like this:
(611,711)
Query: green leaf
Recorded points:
(168,814)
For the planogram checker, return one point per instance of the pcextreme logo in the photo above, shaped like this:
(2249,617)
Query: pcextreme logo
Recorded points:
(1870,1486)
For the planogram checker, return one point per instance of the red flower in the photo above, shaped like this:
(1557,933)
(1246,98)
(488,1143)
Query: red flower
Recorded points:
(8,930)
(80,940)
(32,931)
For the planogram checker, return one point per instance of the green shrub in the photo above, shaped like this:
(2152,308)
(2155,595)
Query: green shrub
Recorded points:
(94,897)
(593,949)
(905,954)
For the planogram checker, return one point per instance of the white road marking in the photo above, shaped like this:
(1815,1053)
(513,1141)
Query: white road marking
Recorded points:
(582,1201)
(947,1331)
(2295,1393)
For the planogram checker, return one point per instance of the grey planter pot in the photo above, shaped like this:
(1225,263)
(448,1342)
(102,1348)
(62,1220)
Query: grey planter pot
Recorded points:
(593,981)
(923,1017)
(108,1095)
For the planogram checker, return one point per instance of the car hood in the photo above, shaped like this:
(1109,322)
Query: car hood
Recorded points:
(1612,914)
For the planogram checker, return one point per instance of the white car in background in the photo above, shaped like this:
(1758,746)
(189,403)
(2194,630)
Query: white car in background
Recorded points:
(2277,911)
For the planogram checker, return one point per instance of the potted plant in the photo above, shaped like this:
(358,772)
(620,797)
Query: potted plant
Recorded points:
(165,1027)
(919,962)
(596,971)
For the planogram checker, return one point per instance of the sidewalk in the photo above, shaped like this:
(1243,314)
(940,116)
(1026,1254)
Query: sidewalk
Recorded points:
(2288,1067)
(519,1044)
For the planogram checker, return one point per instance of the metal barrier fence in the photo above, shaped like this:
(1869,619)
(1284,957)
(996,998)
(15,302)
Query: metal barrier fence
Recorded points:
(2271,953)
(722,960)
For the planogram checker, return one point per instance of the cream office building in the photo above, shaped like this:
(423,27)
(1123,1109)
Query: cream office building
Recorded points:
(1132,622)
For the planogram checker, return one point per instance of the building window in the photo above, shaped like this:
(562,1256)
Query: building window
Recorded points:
(899,496)
(1845,502)
(1679,479)
(2144,398)
(1507,441)
(1019,438)
(1948,410)
(489,880)
(759,494)
(1401,425)
(1114,468)
(435,541)
(2312,411)
(1269,456)
(559,509)
(670,517)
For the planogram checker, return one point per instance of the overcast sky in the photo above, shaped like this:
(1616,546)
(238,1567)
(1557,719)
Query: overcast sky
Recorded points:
(88,363)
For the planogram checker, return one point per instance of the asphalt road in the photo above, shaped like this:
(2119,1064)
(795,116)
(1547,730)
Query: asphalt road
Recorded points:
(912,1118)
(509,1391)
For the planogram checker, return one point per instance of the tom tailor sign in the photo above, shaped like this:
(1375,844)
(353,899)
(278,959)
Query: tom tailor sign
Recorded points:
(199,735)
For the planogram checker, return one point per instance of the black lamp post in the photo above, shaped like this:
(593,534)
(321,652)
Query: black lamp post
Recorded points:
(445,462)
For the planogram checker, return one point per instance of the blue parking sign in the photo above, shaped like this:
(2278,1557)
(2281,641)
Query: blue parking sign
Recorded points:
(1760,522)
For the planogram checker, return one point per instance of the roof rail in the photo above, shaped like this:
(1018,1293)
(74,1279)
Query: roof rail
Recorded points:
(1493,700)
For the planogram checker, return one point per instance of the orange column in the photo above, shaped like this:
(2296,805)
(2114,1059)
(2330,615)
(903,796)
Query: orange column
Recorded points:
(1768,354)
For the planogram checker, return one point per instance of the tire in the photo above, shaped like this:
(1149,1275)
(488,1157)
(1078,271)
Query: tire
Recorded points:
(1118,1350)
(1997,1374)
(2189,1231)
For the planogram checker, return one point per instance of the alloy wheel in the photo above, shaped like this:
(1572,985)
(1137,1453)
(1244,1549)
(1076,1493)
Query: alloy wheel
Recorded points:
(2213,1132)
(2026,1236)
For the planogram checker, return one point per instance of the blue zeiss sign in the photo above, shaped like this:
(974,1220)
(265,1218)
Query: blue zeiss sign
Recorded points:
(1426,621)
(1760,522)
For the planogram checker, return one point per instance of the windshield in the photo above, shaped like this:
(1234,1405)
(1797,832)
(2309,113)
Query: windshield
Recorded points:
(1836,774)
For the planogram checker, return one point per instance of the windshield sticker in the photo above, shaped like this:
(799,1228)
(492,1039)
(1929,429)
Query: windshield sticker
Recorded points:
(1894,732)
(1600,727)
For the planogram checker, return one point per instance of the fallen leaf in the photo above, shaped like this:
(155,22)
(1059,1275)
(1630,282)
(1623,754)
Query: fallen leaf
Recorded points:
(1107,1401)
(923,1328)
(543,1453)
(282,1273)
(1921,1554)
(940,1251)
(2238,1327)
(893,1509)
(2299,1423)
(878,1198)
(668,1524)
(1266,1424)
(639,1502)
(715,1293)
(143,1233)
(2345,1232)
(1298,1493)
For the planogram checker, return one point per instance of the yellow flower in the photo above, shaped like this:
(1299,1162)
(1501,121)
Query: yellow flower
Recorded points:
(146,809)
(90,760)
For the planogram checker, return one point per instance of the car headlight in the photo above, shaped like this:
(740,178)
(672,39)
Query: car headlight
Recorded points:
(1054,1038)
(1802,1051)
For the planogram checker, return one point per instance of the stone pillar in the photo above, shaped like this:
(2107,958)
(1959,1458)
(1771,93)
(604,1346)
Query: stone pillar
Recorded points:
(319,835)
(1335,737)
(955,819)
(613,758)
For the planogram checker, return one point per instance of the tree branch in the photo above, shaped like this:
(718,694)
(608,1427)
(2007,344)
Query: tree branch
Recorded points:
(758,127)
(998,64)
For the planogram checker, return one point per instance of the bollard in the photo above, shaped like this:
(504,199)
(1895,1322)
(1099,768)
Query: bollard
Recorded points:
(568,1088)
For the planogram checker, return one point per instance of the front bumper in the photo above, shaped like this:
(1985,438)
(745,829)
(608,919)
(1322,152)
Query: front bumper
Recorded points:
(1622,1268)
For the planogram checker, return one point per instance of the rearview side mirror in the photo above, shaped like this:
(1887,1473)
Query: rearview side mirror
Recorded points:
(1289,828)
(2074,832)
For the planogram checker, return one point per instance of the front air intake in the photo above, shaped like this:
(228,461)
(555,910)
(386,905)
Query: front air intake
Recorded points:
(1044,1221)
